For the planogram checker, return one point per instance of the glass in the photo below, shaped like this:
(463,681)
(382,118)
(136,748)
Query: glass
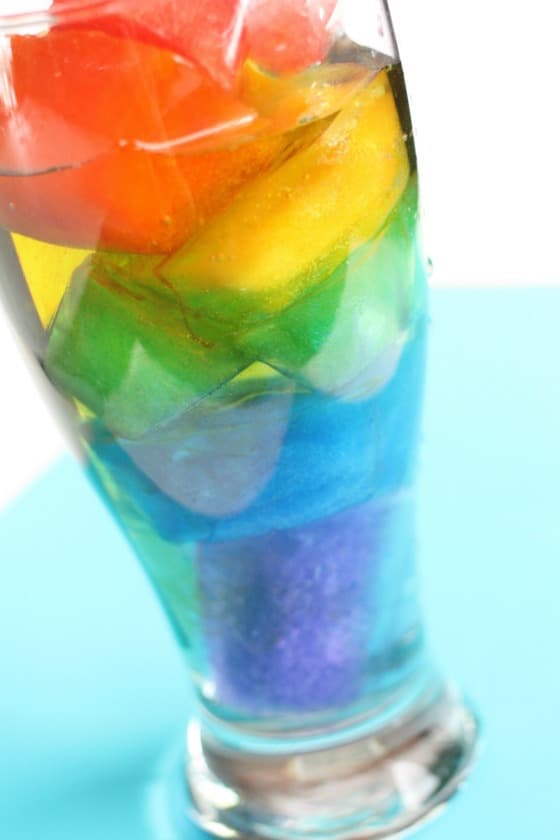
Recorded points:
(210,245)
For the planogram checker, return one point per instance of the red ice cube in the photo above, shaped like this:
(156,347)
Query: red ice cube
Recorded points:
(286,36)
(209,32)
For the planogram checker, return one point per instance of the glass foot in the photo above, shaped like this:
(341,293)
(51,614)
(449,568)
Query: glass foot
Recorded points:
(376,786)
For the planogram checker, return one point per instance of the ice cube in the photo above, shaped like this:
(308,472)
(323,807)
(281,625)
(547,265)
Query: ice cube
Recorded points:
(287,35)
(346,336)
(291,617)
(125,147)
(339,453)
(289,229)
(126,351)
(208,32)
(47,270)
(69,89)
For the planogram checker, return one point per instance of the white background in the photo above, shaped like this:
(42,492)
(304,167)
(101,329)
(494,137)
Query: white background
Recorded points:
(483,83)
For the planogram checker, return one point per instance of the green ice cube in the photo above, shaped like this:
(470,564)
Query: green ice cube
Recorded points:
(122,345)
(345,338)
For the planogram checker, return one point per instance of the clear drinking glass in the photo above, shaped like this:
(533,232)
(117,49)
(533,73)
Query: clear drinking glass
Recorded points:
(210,246)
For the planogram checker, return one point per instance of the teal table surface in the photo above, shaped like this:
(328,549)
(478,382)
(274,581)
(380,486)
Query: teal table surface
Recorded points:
(93,689)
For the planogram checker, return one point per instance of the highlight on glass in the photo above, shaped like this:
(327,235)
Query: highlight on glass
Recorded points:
(209,246)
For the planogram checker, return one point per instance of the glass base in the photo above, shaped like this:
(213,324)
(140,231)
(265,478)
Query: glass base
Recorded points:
(376,786)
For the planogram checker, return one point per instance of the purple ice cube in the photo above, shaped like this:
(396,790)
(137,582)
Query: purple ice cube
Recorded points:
(293,618)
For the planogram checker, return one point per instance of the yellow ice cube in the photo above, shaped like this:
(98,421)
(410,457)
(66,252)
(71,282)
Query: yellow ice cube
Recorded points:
(291,227)
(47,270)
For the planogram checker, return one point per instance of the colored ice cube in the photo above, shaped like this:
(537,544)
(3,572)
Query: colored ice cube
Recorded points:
(126,351)
(80,93)
(47,270)
(287,35)
(208,32)
(160,146)
(346,336)
(290,228)
(296,334)
(339,453)
(292,617)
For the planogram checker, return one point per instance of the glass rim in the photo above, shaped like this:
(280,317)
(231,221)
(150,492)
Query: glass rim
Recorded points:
(67,11)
